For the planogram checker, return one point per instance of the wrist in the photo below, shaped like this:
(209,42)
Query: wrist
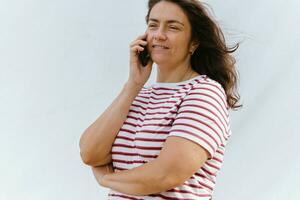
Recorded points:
(133,86)
(102,180)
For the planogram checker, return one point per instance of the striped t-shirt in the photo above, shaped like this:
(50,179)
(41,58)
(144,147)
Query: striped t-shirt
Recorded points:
(195,109)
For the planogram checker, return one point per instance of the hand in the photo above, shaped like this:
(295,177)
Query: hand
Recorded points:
(100,171)
(138,74)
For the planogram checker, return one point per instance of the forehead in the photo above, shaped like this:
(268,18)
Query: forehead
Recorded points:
(167,12)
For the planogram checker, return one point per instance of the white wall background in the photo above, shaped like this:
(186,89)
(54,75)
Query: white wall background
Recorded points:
(62,63)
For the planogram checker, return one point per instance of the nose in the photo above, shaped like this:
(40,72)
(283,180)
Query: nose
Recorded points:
(159,34)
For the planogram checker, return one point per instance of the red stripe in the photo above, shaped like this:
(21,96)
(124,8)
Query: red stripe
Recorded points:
(139,113)
(217,159)
(160,118)
(122,145)
(164,88)
(208,172)
(125,138)
(220,152)
(134,111)
(120,168)
(133,154)
(208,102)
(201,122)
(193,185)
(188,192)
(158,125)
(150,139)
(207,95)
(160,94)
(214,84)
(204,177)
(127,130)
(133,105)
(205,185)
(199,113)
(153,118)
(162,98)
(195,127)
(136,105)
(131,124)
(137,147)
(132,117)
(213,166)
(123,196)
(155,132)
(197,136)
(208,89)
(152,124)
(206,116)
(128,161)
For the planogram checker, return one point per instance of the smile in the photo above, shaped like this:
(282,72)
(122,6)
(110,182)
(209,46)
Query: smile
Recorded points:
(160,47)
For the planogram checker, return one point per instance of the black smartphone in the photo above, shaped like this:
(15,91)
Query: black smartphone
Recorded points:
(144,56)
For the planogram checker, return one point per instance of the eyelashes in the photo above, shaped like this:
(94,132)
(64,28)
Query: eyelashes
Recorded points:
(170,27)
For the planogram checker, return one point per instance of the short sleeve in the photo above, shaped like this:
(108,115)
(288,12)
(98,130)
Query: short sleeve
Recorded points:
(202,116)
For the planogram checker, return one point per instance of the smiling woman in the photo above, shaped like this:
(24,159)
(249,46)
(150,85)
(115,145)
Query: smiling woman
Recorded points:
(167,140)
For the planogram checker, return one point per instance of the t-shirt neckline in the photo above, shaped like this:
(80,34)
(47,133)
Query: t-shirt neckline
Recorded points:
(157,84)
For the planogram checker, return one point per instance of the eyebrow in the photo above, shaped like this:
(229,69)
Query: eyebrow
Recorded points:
(168,21)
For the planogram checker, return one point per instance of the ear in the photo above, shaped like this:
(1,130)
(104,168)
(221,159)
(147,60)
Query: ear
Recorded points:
(194,46)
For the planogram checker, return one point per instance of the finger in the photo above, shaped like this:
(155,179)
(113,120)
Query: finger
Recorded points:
(141,36)
(138,42)
(137,49)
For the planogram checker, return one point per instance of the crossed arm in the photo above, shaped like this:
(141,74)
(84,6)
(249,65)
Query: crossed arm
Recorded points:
(146,179)
(178,161)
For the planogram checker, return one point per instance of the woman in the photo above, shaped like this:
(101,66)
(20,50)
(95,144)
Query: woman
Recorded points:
(167,140)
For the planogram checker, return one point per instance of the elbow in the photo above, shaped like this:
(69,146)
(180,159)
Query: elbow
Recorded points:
(93,161)
(93,156)
(88,159)
(85,157)
(85,153)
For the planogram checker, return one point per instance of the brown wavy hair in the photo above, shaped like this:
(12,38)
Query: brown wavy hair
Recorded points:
(212,57)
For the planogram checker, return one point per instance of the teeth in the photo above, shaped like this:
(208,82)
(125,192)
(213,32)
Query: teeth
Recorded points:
(155,46)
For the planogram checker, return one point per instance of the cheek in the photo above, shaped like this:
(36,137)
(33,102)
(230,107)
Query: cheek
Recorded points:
(181,46)
(150,35)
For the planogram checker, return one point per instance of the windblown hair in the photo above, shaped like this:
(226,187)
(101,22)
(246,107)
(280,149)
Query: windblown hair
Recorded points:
(212,57)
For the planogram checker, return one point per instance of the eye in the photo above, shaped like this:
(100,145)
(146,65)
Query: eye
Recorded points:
(151,25)
(173,27)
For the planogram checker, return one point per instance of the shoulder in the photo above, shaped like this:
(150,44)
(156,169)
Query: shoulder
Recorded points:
(209,89)
(207,82)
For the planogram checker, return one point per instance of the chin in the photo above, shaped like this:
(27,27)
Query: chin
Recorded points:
(160,60)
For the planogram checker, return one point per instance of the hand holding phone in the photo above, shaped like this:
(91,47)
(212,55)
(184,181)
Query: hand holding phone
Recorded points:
(144,56)
(140,61)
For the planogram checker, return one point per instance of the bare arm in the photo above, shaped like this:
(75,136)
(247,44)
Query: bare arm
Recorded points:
(96,141)
(146,179)
(100,171)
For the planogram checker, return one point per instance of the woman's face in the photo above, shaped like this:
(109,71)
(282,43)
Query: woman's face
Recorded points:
(169,33)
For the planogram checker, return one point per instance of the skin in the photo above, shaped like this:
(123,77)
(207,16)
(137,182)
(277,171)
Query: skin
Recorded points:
(166,171)
(173,64)
(168,25)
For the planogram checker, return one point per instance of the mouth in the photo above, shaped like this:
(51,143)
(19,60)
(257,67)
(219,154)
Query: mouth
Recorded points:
(157,46)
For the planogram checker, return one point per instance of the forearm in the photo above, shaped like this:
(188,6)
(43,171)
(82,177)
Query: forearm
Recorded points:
(146,179)
(96,142)
(100,171)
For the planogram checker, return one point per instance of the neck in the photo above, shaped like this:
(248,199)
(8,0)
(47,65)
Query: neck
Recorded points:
(174,74)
